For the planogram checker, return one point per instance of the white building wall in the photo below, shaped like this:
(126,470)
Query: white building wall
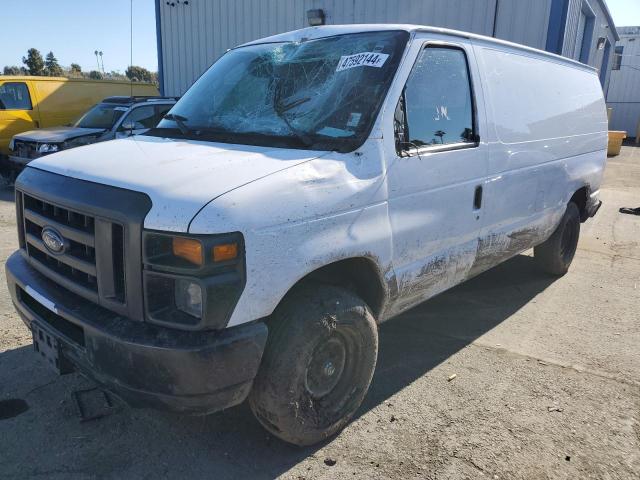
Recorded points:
(195,34)
(624,87)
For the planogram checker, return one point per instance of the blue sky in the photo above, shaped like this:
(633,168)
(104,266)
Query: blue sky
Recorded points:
(625,13)
(74,29)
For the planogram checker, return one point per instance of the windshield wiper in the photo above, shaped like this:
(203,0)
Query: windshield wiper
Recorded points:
(280,109)
(295,103)
(179,119)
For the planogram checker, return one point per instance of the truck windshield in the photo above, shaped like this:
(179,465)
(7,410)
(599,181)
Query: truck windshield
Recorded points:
(101,116)
(319,94)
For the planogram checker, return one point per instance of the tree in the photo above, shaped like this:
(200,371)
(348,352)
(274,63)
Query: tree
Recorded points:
(95,75)
(138,74)
(75,69)
(51,66)
(13,70)
(34,62)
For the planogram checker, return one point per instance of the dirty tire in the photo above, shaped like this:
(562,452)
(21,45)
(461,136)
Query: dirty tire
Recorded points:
(317,365)
(555,255)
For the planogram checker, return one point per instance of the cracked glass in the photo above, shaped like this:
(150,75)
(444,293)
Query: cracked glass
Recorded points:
(321,94)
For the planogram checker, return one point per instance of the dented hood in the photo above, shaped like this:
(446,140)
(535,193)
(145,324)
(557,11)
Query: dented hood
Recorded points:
(180,176)
(56,134)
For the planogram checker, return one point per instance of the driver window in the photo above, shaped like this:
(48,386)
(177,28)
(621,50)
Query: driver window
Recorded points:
(438,102)
(14,96)
(142,117)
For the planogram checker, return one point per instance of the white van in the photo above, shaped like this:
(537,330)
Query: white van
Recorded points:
(308,187)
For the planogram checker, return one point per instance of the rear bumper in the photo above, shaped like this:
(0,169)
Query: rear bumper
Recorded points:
(145,365)
(593,204)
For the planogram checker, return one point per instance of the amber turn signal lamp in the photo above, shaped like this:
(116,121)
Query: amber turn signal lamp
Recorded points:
(189,249)
(224,252)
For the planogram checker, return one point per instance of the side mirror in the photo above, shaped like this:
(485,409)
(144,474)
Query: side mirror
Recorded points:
(128,125)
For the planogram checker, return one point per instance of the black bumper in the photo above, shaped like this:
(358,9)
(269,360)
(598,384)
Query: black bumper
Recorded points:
(593,207)
(13,165)
(145,365)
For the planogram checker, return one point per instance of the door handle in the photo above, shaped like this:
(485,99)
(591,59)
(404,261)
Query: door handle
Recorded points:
(477,198)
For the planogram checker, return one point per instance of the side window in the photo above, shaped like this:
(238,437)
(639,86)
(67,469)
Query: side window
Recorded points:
(617,58)
(14,96)
(438,100)
(161,111)
(142,117)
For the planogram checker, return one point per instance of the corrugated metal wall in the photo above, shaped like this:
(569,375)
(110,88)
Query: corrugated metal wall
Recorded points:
(571,29)
(524,21)
(194,35)
(601,29)
(624,87)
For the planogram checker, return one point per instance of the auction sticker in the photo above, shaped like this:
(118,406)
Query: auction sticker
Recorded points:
(364,59)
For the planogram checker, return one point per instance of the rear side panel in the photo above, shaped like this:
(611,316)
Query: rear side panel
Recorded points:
(548,132)
(63,101)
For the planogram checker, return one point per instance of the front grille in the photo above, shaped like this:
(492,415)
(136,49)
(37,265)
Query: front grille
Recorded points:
(80,268)
(25,149)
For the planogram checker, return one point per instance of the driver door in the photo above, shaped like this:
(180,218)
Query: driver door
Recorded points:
(436,172)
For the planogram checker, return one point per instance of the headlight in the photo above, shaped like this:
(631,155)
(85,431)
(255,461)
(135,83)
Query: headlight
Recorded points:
(188,297)
(11,144)
(48,148)
(192,282)
(190,252)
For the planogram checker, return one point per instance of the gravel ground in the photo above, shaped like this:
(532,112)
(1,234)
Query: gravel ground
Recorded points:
(547,384)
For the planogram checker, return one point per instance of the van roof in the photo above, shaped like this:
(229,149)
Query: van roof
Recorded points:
(331,30)
(22,78)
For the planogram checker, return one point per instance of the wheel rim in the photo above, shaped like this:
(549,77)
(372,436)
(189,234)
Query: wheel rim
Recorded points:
(326,366)
(569,241)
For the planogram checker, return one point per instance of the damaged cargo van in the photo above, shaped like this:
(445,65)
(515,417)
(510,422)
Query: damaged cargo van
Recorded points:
(306,188)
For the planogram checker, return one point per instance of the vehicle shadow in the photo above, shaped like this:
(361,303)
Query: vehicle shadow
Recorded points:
(231,444)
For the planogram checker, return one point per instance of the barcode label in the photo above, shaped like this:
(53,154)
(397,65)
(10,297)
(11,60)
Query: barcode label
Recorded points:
(364,59)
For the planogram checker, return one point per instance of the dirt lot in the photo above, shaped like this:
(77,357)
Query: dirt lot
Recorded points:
(547,385)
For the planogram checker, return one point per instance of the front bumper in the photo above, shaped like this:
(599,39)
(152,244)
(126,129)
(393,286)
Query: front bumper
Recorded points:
(145,365)
(13,163)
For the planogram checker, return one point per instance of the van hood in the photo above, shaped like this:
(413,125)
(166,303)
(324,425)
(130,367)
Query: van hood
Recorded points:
(179,176)
(56,134)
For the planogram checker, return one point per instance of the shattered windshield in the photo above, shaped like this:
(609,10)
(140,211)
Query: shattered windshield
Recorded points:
(317,94)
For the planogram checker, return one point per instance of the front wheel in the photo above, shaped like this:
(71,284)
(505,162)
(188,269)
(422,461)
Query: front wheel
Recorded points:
(556,254)
(317,366)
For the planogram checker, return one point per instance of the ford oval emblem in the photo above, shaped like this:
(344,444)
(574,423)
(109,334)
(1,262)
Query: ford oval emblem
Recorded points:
(52,240)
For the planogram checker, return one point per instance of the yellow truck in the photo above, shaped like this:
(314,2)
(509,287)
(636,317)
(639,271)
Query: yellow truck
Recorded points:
(34,102)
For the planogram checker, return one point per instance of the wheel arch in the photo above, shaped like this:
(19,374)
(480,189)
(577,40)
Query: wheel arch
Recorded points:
(580,197)
(360,275)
